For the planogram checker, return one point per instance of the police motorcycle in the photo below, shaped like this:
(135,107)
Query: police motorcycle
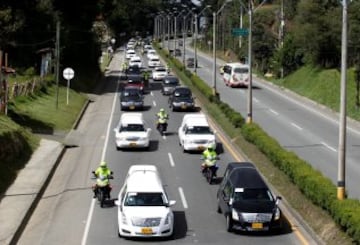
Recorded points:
(102,192)
(210,172)
(161,124)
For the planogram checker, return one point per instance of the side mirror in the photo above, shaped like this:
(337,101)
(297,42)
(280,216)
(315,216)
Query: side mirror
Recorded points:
(278,199)
(148,130)
(231,201)
(172,203)
(117,203)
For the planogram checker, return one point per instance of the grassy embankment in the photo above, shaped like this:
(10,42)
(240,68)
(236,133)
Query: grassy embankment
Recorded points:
(39,113)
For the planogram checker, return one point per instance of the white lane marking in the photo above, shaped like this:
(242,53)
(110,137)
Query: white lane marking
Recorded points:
(274,112)
(331,148)
(256,100)
(154,102)
(309,108)
(172,163)
(151,93)
(93,200)
(296,126)
(183,199)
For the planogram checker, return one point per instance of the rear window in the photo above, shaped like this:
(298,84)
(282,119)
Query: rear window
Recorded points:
(198,130)
(132,128)
(247,194)
(241,70)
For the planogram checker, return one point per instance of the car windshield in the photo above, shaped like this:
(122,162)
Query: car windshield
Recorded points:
(241,70)
(144,199)
(132,128)
(131,93)
(198,130)
(248,194)
(182,93)
(171,81)
(160,70)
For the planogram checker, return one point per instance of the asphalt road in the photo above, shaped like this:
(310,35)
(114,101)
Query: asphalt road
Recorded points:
(67,214)
(299,125)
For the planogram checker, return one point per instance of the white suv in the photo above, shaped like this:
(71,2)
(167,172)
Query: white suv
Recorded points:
(195,133)
(143,206)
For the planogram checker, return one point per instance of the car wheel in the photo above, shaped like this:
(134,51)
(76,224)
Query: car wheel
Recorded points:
(117,148)
(229,223)
(218,209)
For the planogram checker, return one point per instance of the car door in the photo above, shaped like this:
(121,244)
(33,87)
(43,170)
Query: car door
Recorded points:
(181,132)
(224,197)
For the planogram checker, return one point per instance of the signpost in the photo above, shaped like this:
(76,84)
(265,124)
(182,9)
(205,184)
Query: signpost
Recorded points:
(68,74)
(239,32)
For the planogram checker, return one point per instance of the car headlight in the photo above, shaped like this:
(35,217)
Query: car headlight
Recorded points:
(277,214)
(168,219)
(235,215)
(123,219)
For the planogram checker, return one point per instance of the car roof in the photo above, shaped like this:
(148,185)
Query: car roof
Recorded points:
(237,64)
(131,118)
(143,178)
(245,175)
(195,119)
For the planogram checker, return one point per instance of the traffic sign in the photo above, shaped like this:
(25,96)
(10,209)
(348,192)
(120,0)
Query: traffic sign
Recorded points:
(68,73)
(239,32)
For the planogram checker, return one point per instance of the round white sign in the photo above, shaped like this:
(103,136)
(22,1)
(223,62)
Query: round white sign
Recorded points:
(68,73)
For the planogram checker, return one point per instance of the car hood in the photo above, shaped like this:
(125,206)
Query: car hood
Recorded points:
(254,206)
(146,211)
(131,99)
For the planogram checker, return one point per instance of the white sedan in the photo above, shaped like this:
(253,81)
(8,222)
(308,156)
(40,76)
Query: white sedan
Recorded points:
(130,53)
(195,133)
(131,132)
(159,73)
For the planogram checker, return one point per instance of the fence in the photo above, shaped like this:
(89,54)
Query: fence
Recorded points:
(18,89)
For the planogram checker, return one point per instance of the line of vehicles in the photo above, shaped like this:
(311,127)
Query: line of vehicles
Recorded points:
(144,209)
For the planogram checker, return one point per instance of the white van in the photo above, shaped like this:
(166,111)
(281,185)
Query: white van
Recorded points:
(195,133)
(236,75)
(143,206)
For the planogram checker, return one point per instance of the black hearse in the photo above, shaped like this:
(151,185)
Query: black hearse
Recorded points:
(246,201)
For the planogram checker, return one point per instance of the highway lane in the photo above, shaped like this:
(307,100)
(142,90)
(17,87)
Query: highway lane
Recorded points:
(297,124)
(68,215)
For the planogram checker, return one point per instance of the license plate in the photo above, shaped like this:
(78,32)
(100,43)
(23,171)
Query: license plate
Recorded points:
(132,144)
(183,106)
(257,225)
(201,147)
(132,107)
(146,231)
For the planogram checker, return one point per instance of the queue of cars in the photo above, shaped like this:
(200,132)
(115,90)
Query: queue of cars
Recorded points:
(144,209)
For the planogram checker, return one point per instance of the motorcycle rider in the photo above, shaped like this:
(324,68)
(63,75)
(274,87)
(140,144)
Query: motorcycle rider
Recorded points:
(209,155)
(162,118)
(102,174)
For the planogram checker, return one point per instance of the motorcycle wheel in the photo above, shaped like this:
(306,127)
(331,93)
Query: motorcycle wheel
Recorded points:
(101,198)
(209,175)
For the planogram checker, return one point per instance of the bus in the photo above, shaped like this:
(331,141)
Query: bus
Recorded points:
(236,75)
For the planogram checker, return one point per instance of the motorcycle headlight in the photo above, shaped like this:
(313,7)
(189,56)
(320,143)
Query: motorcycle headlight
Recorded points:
(123,219)
(167,219)
(277,214)
(235,215)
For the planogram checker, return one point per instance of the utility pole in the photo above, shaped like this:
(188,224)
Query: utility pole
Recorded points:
(195,41)
(249,104)
(342,120)
(241,25)
(57,61)
(281,33)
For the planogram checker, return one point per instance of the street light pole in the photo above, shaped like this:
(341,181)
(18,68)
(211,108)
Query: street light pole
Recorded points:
(342,120)
(249,104)
(214,54)
(195,41)
(168,35)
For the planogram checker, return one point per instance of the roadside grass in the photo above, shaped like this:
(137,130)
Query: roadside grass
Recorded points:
(323,86)
(40,113)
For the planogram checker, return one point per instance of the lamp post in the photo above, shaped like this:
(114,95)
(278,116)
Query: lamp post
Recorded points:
(342,119)
(175,34)
(196,35)
(214,45)
(185,33)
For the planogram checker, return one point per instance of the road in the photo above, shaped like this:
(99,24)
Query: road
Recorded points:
(67,214)
(309,130)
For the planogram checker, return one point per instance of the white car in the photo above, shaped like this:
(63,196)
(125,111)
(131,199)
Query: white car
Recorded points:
(130,53)
(135,61)
(150,53)
(130,45)
(131,132)
(143,206)
(159,73)
(195,133)
(154,61)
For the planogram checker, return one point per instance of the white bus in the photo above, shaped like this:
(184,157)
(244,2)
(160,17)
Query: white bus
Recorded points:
(236,75)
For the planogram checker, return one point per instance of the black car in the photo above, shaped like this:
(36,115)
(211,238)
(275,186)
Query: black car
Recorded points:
(168,84)
(133,70)
(131,98)
(246,201)
(181,99)
(190,62)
